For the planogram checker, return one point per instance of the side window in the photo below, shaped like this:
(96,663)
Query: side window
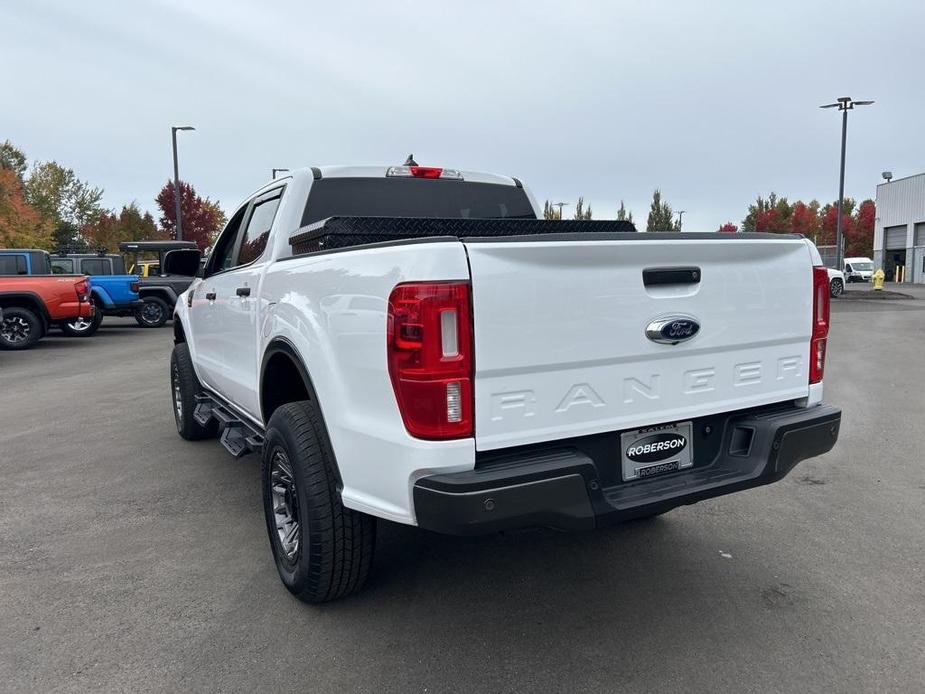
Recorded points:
(254,239)
(12,265)
(95,266)
(222,256)
(62,266)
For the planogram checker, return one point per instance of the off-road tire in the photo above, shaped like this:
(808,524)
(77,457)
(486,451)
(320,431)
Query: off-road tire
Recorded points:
(95,323)
(20,328)
(336,544)
(148,317)
(184,386)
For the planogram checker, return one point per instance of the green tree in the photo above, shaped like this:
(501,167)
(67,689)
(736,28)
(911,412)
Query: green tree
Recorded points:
(110,229)
(61,197)
(623,215)
(551,211)
(661,216)
(580,211)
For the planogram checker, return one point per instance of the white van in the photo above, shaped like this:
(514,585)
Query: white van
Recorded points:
(858,269)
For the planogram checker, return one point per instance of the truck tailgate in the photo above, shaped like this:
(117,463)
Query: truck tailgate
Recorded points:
(560,332)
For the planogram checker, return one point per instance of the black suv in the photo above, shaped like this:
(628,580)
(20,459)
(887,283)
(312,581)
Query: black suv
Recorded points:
(159,292)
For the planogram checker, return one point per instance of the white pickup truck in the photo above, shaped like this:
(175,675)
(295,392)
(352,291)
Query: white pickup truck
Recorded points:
(411,343)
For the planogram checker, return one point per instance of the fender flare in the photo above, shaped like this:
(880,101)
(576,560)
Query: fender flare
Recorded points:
(30,298)
(280,345)
(102,296)
(158,289)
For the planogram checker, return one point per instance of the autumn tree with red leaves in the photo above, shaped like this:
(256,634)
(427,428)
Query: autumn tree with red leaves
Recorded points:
(805,219)
(202,218)
(860,242)
(776,215)
(728,228)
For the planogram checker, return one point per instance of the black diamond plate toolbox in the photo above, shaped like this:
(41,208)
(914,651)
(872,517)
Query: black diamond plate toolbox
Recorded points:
(344,232)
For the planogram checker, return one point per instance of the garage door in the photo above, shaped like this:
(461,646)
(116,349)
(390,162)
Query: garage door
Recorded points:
(919,235)
(895,238)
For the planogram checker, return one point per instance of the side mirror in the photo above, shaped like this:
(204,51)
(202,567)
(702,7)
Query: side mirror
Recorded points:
(181,262)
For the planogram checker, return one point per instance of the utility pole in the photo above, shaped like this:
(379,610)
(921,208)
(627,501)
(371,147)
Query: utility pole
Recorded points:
(843,104)
(176,177)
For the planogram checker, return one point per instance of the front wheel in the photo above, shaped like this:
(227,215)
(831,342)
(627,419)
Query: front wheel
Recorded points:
(153,314)
(19,329)
(322,550)
(83,327)
(836,287)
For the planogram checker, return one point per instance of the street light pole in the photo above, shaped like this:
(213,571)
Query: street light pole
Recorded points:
(176,177)
(844,104)
(680,218)
(560,205)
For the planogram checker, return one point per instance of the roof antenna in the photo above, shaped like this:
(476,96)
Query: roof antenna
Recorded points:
(410,161)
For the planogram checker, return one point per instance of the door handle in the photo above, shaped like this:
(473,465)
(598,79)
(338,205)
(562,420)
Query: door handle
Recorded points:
(210,296)
(243,291)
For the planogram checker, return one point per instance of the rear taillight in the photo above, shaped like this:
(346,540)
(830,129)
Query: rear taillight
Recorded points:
(430,358)
(423,172)
(135,286)
(820,324)
(82,287)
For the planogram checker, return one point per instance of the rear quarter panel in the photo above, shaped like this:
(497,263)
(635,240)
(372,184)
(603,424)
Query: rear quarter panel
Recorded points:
(57,292)
(333,309)
(114,289)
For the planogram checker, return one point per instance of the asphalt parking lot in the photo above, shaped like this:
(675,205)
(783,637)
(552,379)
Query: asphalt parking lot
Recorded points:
(132,560)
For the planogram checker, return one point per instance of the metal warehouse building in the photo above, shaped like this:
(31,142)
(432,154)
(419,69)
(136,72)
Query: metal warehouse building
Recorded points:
(899,234)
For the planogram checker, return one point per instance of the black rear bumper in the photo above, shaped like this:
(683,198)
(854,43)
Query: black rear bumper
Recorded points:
(575,485)
(126,308)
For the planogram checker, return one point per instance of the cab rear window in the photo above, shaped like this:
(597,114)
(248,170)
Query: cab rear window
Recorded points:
(412,197)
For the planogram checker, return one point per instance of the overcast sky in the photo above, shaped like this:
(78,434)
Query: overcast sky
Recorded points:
(713,102)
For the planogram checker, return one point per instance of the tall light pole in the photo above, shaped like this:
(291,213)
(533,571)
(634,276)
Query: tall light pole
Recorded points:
(843,104)
(560,205)
(276,171)
(680,218)
(176,176)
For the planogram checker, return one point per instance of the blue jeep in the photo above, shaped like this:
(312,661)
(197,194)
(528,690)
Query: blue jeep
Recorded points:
(113,292)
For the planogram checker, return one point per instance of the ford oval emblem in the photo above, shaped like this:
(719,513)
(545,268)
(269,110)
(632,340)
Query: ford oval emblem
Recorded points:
(672,329)
(655,448)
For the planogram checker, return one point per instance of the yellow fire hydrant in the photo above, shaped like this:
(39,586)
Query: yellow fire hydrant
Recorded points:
(878,279)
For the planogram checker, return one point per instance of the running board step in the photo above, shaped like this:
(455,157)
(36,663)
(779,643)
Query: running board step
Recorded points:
(237,436)
(203,413)
(235,440)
